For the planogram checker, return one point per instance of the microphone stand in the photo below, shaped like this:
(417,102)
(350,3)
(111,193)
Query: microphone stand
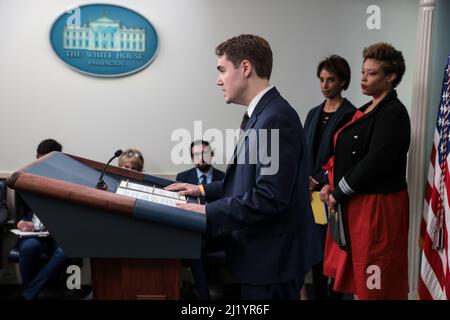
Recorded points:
(100,183)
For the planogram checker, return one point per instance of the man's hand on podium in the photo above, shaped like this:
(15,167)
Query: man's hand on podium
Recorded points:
(185,189)
(192,207)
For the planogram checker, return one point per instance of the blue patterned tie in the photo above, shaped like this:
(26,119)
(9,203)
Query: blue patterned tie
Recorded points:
(202,179)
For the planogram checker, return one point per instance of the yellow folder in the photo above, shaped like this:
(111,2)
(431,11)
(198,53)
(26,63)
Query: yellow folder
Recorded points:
(318,207)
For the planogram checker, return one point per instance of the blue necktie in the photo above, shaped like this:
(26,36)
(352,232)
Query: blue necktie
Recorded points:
(202,179)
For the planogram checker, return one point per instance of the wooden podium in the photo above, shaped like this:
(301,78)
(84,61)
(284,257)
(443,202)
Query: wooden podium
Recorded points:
(136,279)
(135,246)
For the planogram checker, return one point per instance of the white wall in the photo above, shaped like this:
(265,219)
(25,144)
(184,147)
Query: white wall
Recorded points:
(92,117)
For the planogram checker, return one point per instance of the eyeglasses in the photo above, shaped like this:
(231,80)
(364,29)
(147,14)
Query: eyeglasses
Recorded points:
(136,154)
(131,154)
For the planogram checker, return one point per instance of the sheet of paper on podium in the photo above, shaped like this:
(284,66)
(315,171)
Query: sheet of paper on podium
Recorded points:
(150,193)
(318,207)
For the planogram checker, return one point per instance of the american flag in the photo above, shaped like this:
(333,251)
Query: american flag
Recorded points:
(434,282)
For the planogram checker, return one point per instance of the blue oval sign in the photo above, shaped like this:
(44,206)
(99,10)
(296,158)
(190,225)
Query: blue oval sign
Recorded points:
(104,40)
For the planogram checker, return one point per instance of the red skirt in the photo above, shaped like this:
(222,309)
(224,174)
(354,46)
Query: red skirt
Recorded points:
(376,266)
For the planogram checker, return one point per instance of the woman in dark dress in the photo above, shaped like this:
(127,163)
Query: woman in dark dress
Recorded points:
(321,124)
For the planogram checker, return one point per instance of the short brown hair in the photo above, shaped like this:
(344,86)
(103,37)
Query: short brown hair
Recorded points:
(391,59)
(248,47)
(135,155)
(337,65)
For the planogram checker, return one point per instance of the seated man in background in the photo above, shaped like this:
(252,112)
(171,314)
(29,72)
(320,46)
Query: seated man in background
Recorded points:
(203,173)
(132,159)
(37,273)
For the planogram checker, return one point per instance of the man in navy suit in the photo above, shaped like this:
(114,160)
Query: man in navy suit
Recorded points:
(263,207)
(203,173)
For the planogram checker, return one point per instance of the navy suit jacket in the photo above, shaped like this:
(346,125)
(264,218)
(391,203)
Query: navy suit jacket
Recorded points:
(190,176)
(267,219)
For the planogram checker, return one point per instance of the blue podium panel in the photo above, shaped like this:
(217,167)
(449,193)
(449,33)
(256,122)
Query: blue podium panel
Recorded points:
(88,232)
(63,167)
(151,231)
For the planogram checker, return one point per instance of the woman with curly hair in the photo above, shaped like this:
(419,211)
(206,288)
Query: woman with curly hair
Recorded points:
(367,181)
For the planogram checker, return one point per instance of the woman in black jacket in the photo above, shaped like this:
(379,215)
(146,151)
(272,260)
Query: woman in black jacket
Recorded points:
(367,178)
(321,124)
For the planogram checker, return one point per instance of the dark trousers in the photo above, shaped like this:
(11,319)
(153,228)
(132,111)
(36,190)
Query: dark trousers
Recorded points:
(323,286)
(201,269)
(199,274)
(279,291)
(35,271)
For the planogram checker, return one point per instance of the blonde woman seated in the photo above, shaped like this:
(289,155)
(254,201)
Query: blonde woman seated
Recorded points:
(132,159)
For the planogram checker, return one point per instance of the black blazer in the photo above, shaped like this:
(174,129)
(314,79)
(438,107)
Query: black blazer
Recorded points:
(316,161)
(370,154)
(190,176)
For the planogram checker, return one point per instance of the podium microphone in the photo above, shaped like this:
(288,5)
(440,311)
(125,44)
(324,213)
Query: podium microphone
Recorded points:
(100,183)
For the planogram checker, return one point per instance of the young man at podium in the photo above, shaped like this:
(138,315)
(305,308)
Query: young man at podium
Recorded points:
(262,207)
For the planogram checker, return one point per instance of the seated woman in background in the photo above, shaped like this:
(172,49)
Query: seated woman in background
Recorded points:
(132,159)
